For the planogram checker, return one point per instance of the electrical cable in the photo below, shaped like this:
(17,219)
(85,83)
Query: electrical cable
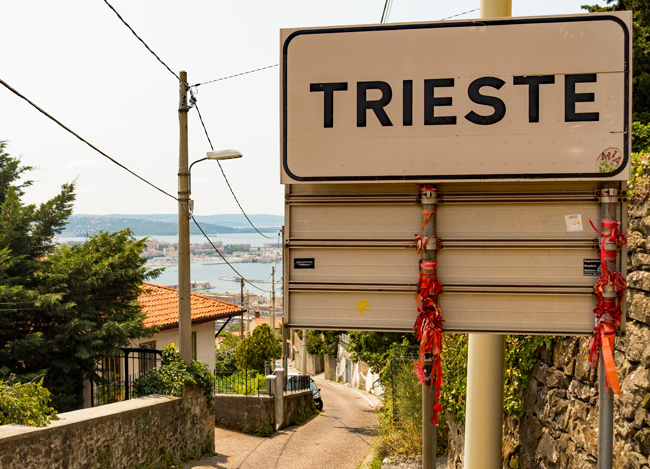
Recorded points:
(142,41)
(459,14)
(233,76)
(225,260)
(85,141)
(387,6)
(193,100)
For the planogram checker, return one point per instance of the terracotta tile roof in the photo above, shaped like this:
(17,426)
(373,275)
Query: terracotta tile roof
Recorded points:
(160,304)
(260,321)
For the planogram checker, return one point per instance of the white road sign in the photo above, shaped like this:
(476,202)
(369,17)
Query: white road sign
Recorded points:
(492,99)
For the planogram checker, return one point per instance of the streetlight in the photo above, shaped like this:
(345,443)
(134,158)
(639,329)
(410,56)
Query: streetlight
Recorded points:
(185,208)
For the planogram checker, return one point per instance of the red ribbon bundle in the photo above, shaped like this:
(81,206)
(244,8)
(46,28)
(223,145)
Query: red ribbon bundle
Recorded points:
(610,286)
(428,326)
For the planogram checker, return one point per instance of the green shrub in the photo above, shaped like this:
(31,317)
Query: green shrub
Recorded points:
(172,375)
(25,404)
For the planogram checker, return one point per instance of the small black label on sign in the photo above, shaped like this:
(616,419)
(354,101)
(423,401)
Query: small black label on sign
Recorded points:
(305,263)
(591,268)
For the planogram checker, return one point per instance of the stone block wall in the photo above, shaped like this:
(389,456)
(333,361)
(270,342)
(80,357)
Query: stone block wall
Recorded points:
(249,414)
(295,403)
(561,428)
(126,434)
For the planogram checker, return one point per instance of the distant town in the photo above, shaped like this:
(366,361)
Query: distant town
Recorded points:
(164,254)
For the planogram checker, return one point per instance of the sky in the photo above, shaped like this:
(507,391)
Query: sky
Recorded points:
(76,60)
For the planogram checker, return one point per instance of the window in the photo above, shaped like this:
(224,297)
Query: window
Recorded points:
(194,345)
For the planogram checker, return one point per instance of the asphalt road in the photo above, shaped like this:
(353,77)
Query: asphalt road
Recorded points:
(340,437)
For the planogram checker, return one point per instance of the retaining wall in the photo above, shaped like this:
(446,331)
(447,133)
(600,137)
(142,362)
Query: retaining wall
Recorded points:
(121,435)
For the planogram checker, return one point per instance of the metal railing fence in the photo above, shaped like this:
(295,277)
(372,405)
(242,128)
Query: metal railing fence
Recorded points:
(242,382)
(116,374)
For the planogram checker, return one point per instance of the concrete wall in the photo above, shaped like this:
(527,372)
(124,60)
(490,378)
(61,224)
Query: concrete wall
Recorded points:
(253,414)
(244,413)
(330,368)
(296,403)
(125,434)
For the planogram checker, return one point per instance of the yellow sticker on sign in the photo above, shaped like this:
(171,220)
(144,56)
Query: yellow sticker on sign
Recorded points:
(363,307)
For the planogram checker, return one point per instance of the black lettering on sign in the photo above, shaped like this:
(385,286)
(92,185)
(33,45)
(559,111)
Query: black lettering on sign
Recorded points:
(533,83)
(407,101)
(430,102)
(474,94)
(328,90)
(377,105)
(571,98)
(304,263)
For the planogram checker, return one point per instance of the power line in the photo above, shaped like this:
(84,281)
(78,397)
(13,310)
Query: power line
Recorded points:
(460,14)
(387,7)
(225,260)
(84,140)
(193,99)
(236,75)
(142,41)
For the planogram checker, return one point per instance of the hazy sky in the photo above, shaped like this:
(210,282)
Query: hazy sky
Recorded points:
(77,61)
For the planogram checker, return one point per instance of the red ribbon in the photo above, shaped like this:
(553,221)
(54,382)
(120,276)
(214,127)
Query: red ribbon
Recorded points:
(608,310)
(428,327)
(421,242)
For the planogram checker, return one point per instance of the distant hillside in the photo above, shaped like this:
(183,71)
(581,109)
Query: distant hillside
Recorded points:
(82,225)
(235,220)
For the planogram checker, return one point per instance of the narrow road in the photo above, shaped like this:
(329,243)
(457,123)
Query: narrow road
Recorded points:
(340,437)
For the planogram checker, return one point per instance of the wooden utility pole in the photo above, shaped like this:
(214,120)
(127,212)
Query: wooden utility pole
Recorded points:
(241,301)
(184,211)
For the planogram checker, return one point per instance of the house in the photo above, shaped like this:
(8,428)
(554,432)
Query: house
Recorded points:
(160,304)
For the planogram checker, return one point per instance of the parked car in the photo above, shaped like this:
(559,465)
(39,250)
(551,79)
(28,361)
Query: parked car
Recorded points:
(295,382)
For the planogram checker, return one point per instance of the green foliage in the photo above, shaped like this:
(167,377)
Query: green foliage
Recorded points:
(639,183)
(454,369)
(225,360)
(25,404)
(258,349)
(63,308)
(304,412)
(640,52)
(323,342)
(373,347)
(244,382)
(522,352)
(230,248)
(266,431)
(173,374)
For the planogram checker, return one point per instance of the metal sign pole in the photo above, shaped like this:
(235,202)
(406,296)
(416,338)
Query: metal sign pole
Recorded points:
(429,201)
(608,211)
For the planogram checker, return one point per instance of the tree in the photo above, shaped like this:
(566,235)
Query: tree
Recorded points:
(61,308)
(373,347)
(225,352)
(640,51)
(256,350)
(323,342)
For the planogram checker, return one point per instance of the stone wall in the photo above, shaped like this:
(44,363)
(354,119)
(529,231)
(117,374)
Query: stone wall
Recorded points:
(249,414)
(254,414)
(126,434)
(295,404)
(561,428)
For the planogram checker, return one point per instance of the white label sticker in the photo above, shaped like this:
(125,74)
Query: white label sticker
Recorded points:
(573,222)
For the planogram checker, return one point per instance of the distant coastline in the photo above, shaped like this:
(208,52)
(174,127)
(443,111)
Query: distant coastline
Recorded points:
(167,224)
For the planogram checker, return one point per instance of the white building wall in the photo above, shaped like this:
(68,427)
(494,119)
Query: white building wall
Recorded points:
(204,342)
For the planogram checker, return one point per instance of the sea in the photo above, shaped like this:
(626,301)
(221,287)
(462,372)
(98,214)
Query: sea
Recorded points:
(259,274)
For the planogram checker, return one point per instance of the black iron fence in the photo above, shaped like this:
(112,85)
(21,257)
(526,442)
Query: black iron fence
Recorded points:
(116,374)
(243,382)
(296,383)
